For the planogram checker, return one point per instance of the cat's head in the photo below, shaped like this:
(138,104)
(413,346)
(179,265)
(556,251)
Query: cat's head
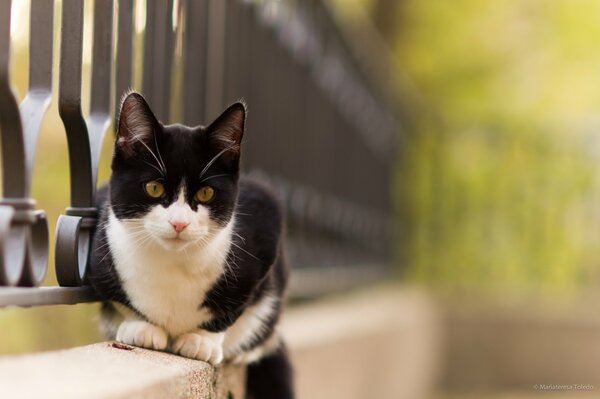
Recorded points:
(175,185)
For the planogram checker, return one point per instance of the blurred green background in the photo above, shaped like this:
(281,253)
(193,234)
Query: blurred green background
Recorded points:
(497,181)
(497,175)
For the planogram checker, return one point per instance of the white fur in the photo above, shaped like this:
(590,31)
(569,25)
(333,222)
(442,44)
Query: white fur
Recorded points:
(200,230)
(201,345)
(168,282)
(141,333)
(167,275)
(248,325)
(268,347)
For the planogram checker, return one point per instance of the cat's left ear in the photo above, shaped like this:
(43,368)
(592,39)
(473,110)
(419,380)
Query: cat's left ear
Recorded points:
(226,132)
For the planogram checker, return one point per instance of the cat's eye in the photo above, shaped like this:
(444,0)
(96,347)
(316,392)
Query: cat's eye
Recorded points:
(205,194)
(154,189)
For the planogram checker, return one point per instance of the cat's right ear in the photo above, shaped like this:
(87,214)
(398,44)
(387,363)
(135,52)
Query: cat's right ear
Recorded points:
(137,125)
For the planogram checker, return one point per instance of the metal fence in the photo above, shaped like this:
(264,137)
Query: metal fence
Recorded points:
(318,130)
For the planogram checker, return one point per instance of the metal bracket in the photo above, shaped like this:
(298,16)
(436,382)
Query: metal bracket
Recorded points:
(85,135)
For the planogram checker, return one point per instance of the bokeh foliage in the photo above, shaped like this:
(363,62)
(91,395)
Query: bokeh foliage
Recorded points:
(497,182)
(497,185)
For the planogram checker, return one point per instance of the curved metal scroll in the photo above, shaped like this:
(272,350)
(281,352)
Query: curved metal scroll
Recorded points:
(84,137)
(23,230)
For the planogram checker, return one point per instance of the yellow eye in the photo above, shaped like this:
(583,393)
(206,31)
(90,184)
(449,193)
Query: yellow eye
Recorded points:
(154,189)
(205,194)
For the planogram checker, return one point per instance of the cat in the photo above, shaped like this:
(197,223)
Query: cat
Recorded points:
(188,255)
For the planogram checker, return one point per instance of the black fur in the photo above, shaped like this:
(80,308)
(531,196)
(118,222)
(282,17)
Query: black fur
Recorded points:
(270,377)
(257,249)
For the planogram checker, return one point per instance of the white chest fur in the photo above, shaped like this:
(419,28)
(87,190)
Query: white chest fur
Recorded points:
(168,287)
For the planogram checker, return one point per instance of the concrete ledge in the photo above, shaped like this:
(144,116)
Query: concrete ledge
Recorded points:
(375,343)
(495,345)
(112,371)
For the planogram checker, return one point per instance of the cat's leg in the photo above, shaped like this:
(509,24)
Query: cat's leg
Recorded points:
(200,345)
(270,377)
(270,345)
(143,334)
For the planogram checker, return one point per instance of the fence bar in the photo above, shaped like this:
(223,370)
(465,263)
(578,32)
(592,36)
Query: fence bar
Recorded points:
(73,230)
(124,56)
(24,231)
(194,61)
(37,101)
(32,110)
(69,103)
(14,171)
(101,94)
(158,56)
(46,296)
(215,58)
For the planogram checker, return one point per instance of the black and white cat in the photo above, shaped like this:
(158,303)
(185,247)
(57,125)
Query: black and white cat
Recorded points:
(187,255)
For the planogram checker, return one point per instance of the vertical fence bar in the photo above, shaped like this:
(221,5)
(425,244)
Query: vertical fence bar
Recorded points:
(124,54)
(14,171)
(238,60)
(252,157)
(72,240)
(194,61)
(24,232)
(73,230)
(32,109)
(101,88)
(158,56)
(215,58)
(69,102)
(39,94)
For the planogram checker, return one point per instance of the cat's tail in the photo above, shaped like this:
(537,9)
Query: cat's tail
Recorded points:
(271,377)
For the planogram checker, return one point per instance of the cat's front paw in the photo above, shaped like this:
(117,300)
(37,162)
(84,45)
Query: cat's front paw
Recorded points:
(201,346)
(142,334)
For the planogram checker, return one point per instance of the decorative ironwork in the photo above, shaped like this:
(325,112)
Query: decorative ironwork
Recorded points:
(85,135)
(320,133)
(23,230)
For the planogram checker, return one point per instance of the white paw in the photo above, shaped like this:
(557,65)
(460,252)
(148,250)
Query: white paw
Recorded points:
(207,347)
(142,334)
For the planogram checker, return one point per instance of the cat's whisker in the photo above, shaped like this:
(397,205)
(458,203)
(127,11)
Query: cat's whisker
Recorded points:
(159,155)
(214,176)
(239,236)
(154,166)
(242,249)
(141,242)
(162,167)
(209,164)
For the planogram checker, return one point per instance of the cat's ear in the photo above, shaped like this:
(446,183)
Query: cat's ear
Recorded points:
(225,133)
(137,125)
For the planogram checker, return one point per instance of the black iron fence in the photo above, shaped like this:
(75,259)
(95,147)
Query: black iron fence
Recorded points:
(318,129)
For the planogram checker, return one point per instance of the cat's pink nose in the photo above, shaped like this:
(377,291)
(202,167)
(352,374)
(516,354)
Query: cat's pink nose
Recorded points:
(179,225)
